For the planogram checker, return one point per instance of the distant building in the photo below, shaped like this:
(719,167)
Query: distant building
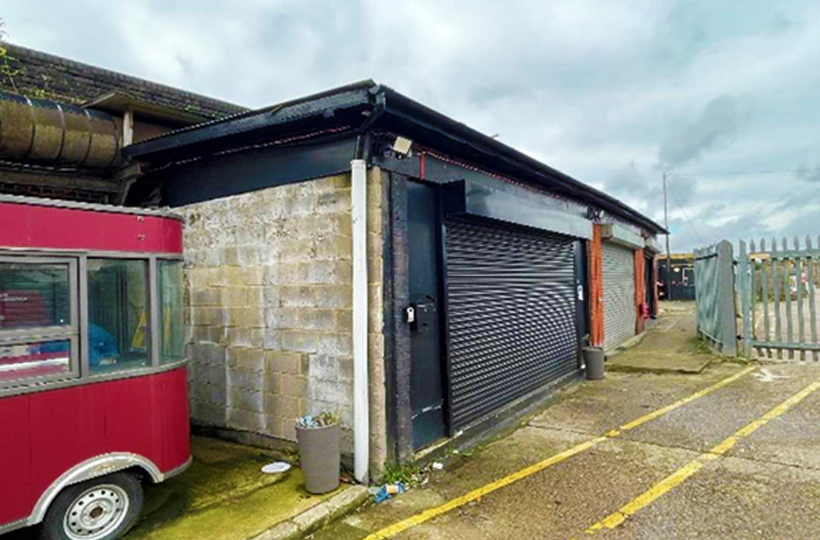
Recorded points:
(65,123)
(683,277)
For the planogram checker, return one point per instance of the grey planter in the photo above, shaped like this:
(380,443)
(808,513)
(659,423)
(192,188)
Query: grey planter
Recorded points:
(320,457)
(594,361)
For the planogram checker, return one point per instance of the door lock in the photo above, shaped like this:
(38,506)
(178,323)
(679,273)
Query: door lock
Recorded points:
(410,313)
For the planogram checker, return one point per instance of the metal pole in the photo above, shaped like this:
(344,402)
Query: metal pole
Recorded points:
(668,254)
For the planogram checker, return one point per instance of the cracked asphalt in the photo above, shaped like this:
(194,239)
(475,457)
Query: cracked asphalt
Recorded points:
(766,486)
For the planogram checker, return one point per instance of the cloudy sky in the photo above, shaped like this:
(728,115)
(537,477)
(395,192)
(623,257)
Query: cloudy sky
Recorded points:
(723,96)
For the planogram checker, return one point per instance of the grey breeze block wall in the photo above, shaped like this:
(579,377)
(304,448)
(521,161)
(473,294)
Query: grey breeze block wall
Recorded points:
(269,305)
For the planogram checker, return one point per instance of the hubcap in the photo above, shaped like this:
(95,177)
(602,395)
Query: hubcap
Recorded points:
(96,513)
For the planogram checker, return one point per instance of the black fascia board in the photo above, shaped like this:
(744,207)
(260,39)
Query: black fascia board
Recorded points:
(479,149)
(349,105)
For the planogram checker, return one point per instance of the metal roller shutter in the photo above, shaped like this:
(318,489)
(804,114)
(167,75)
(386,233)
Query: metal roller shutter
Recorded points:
(511,314)
(619,295)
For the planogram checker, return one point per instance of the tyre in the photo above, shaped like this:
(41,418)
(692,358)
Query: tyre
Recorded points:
(102,508)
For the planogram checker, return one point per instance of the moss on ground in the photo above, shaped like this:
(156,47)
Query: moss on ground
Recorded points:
(223,496)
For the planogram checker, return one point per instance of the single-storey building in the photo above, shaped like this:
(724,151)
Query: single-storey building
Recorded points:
(358,252)
(680,280)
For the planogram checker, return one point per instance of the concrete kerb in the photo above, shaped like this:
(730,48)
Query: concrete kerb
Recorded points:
(630,343)
(349,499)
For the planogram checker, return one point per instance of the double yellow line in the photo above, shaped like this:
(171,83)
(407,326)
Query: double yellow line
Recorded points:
(684,473)
(452,504)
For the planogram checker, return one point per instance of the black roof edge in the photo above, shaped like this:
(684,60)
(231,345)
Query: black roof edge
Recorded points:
(236,124)
(397,104)
(496,149)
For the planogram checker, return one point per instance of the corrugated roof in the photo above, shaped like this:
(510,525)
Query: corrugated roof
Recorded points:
(40,75)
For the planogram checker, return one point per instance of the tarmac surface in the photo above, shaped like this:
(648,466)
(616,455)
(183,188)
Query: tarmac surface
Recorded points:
(737,460)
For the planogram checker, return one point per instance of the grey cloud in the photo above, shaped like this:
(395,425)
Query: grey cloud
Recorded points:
(626,181)
(608,92)
(808,174)
(716,127)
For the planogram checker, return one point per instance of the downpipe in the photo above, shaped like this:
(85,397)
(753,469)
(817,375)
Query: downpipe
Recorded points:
(361,405)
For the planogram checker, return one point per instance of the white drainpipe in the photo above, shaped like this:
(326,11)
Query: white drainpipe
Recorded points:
(361,406)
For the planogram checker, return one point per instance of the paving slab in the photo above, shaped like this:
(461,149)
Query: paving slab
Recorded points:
(595,407)
(732,498)
(669,345)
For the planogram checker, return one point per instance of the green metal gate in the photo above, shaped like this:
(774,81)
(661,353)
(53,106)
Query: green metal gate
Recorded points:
(777,289)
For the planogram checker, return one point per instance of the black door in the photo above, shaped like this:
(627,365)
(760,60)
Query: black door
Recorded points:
(511,313)
(649,293)
(426,371)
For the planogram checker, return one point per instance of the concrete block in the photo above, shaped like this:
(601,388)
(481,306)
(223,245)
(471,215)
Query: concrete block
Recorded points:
(270,273)
(272,339)
(335,296)
(335,344)
(229,253)
(345,368)
(252,275)
(206,353)
(207,316)
(283,406)
(375,346)
(289,428)
(234,296)
(273,383)
(205,297)
(284,362)
(294,385)
(323,366)
(246,399)
(273,425)
(314,518)
(297,296)
(208,414)
(246,359)
(333,247)
(333,202)
(301,341)
(293,273)
(256,296)
(344,321)
(338,393)
(247,420)
(341,181)
(270,295)
(349,499)
(315,319)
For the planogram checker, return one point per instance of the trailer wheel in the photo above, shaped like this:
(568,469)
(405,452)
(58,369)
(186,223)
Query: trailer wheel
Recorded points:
(102,508)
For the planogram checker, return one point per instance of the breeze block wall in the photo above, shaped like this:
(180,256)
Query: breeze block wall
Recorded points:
(269,304)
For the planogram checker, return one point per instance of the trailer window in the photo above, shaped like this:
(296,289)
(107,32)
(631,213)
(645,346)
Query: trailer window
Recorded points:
(118,315)
(39,359)
(34,295)
(172,329)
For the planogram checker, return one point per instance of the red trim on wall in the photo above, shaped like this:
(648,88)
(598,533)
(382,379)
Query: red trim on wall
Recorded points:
(655,284)
(596,288)
(640,290)
(32,226)
(422,165)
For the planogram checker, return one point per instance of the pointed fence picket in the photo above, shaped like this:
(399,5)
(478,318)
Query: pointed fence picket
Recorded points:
(778,296)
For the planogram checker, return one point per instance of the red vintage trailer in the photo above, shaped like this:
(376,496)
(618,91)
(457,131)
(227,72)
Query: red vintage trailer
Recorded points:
(93,384)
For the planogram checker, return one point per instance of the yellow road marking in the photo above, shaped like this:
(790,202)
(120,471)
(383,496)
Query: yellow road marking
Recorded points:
(687,471)
(452,504)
